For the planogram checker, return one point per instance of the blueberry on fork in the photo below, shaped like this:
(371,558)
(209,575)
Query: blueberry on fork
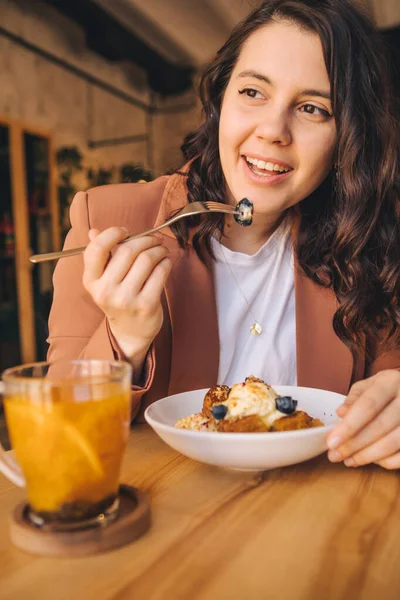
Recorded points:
(246,209)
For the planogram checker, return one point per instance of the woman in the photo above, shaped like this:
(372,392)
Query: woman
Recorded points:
(297,118)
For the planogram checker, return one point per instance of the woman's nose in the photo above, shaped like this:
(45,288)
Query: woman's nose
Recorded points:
(275,127)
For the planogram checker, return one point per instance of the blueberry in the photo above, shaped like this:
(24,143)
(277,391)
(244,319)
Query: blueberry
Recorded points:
(219,411)
(285,404)
(245,207)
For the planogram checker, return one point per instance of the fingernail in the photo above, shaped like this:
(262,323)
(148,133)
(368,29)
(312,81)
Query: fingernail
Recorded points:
(335,456)
(349,462)
(334,442)
(125,229)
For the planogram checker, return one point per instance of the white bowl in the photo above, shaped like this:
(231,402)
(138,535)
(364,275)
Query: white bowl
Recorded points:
(246,451)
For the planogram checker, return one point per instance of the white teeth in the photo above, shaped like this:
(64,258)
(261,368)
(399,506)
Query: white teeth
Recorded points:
(261,164)
(263,173)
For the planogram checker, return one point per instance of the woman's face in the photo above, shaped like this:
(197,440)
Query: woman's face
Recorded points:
(277,133)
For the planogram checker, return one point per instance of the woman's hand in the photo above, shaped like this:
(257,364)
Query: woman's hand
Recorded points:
(127,286)
(370,429)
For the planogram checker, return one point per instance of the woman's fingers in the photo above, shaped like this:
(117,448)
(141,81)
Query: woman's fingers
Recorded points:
(356,390)
(99,265)
(97,254)
(390,462)
(128,256)
(126,281)
(154,285)
(144,266)
(383,448)
(382,425)
(381,389)
(93,233)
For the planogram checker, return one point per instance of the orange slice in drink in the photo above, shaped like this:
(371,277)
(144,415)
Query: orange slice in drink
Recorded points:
(78,441)
(36,423)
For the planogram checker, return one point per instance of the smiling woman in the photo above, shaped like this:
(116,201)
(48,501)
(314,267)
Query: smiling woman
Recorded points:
(276,125)
(303,86)
(298,120)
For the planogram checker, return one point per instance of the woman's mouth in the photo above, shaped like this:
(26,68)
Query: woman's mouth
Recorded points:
(266,171)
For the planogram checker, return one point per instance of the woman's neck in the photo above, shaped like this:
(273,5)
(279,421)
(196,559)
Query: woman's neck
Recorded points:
(249,240)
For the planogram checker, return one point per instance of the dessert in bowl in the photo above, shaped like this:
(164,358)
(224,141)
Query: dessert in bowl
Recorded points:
(253,435)
(252,406)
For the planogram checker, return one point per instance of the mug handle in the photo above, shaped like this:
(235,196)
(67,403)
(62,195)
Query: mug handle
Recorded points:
(11,469)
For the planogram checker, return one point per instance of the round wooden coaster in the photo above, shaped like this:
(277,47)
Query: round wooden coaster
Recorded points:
(134,520)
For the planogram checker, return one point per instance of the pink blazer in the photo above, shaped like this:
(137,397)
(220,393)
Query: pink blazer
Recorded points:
(185,354)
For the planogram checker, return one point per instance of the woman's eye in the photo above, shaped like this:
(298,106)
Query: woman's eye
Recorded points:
(251,93)
(310,109)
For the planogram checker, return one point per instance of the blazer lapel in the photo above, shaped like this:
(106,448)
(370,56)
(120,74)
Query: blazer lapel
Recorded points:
(192,307)
(323,360)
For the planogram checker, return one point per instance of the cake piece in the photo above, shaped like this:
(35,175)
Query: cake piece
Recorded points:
(197,422)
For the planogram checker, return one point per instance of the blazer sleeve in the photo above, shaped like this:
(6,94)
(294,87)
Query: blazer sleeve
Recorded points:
(78,329)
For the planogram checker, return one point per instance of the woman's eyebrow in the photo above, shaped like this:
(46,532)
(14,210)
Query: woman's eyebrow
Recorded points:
(319,93)
(309,92)
(255,75)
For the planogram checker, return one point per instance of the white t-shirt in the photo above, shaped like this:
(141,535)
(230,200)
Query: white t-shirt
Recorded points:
(267,281)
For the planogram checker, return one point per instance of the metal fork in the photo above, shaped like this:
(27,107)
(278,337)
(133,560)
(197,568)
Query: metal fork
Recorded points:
(195,208)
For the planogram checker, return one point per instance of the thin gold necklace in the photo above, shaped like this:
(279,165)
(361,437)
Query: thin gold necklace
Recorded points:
(256,328)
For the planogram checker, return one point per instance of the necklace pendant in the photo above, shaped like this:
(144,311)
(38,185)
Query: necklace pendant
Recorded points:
(256,329)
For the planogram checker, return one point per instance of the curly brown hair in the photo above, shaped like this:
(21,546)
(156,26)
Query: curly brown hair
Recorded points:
(349,234)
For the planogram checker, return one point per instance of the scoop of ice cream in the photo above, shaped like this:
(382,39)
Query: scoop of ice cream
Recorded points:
(253,397)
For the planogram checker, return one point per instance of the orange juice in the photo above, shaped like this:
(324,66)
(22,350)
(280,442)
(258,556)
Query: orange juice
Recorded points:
(69,441)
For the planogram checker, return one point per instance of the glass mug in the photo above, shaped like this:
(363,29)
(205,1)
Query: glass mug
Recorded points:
(68,423)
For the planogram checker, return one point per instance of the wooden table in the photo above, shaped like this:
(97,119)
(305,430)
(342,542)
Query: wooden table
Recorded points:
(315,531)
